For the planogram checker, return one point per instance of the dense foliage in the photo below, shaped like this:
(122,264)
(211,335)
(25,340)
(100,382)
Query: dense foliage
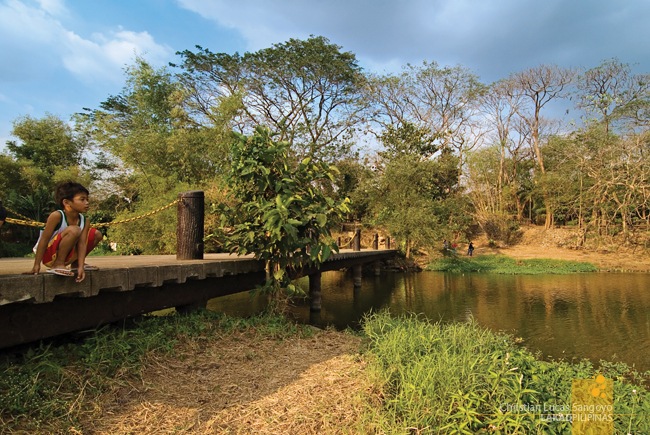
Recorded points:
(428,153)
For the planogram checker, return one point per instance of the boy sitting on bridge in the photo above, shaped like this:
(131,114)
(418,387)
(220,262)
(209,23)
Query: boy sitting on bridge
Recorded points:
(67,236)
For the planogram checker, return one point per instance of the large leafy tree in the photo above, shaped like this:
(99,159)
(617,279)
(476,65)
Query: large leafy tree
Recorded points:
(152,149)
(48,143)
(147,130)
(305,90)
(279,211)
(413,193)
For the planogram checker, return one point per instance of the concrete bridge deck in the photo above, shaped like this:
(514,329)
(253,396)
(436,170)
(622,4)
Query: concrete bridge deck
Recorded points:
(44,305)
(125,273)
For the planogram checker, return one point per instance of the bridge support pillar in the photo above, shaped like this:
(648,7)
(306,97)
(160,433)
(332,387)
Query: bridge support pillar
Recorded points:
(189,229)
(315,292)
(189,308)
(356,275)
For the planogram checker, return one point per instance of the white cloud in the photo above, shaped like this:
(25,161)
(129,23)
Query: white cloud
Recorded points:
(105,56)
(492,37)
(53,7)
(35,43)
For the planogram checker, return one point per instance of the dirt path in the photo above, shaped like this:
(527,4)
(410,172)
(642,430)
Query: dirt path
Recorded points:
(245,384)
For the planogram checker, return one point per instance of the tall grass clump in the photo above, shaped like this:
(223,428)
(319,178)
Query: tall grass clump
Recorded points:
(461,378)
(508,266)
(48,387)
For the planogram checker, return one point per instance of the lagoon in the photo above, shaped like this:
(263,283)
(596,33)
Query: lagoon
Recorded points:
(587,315)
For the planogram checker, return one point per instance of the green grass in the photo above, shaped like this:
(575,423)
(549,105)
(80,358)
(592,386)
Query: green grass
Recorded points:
(508,266)
(46,388)
(460,378)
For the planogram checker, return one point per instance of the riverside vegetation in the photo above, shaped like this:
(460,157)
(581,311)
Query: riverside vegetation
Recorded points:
(508,266)
(397,375)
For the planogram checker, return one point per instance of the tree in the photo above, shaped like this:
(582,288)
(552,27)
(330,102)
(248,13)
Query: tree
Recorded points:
(443,101)
(48,143)
(614,94)
(47,152)
(152,149)
(279,211)
(306,91)
(539,86)
(410,195)
(146,128)
(508,133)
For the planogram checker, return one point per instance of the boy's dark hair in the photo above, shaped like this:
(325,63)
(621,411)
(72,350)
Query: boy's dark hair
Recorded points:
(68,190)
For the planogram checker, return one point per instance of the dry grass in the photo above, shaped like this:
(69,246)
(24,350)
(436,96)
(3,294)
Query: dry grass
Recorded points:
(244,383)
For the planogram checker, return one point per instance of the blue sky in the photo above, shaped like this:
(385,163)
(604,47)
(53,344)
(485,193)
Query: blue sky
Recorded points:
(59,56)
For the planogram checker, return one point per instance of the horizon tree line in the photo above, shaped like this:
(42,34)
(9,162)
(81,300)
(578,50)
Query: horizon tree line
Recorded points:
(449,153)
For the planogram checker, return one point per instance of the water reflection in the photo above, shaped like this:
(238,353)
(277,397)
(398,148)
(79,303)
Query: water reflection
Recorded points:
(595,316)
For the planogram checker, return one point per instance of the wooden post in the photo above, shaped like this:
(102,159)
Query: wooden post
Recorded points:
(356,244)
(189,229)
(314,292)
(375,241)
(387,242)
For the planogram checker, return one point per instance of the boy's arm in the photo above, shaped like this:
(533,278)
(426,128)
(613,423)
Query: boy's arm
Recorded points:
(53,220)
(81,252)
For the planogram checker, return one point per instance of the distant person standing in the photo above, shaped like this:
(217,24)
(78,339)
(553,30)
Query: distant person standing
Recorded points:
(470,249)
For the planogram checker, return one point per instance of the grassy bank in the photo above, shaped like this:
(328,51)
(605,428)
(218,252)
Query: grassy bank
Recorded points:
(461,378)
(165,375)
(508,266)
(53,387)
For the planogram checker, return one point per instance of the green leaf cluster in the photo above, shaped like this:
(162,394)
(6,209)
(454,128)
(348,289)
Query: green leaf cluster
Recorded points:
(279,210)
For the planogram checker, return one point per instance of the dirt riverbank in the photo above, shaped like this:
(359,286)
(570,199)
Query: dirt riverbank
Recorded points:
(558,243)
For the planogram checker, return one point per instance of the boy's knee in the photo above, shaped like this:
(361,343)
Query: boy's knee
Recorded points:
(73,231)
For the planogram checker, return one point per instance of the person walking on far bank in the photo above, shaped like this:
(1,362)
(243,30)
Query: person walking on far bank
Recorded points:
(470,249)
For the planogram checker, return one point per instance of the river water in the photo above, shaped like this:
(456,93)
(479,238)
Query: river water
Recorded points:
(591,315)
